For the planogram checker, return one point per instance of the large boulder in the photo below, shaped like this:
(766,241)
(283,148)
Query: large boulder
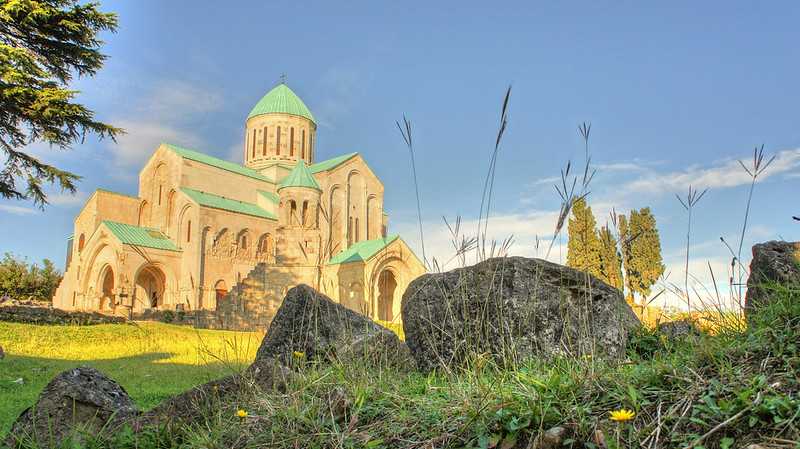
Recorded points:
(205,401)
(76,402)
(513,308)
(773,263)
(311,324)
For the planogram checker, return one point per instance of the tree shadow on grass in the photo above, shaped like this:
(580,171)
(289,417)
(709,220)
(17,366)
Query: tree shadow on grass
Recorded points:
(146,378)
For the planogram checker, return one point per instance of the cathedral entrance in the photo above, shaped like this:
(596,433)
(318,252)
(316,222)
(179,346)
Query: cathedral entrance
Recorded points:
(387,284)
(107,289)
(150,287)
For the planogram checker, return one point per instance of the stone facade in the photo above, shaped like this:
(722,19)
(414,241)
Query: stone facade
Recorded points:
(211,236)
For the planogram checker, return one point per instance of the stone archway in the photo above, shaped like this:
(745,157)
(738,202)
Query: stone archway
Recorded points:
(221,290)
(387,287)
(150,287)
(106,289)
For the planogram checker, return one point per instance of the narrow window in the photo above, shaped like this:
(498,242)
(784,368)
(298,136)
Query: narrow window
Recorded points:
(293,211)
(278,141)
(356,229)
(305,213)
(159,195)
(310,147)
(303,144)
(264,143)
(189,231)
(291,141)
(254,143)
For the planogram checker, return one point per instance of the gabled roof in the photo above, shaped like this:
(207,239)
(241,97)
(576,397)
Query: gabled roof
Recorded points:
(300,176)
(139,236)
(220,202)
(216,162)
(331,163)
(281,99)
(362,251)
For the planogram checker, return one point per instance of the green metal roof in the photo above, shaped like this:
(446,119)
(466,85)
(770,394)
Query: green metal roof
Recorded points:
(283,100)
(300,176)
(362,251)
(331,163)
(220,202)
(139,236)
(270,196)
(216,162)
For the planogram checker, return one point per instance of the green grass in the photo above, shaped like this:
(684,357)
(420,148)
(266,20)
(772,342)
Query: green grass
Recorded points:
(152,361)
(730,389)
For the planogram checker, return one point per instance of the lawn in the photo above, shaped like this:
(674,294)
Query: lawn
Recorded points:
(152,361)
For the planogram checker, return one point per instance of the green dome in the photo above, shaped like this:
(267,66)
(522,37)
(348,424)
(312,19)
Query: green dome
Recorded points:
(281,99)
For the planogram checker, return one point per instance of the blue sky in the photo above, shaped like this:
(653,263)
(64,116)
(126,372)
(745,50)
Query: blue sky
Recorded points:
(675,93)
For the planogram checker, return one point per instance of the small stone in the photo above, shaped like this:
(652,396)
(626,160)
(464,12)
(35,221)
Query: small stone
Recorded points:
(18,381)
(551,439)
(599,438)
(339,403)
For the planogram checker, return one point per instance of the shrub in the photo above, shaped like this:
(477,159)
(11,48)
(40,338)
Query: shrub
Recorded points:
(22,280)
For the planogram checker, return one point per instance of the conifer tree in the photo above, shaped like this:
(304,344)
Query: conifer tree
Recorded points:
(43,45)
(583,247)
(610,260)
(643,263)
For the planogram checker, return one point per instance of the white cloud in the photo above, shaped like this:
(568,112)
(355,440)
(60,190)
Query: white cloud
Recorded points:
(143,137)
(18,210)
(161,117)
(66,198)
(724,175)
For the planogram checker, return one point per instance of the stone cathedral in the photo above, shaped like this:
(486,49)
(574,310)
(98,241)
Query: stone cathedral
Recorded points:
(224,241)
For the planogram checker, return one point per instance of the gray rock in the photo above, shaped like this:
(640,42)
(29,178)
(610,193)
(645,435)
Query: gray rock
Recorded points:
(513,308)
(679,329)
(76,402)
(205,401)
(773,262)
(311,323)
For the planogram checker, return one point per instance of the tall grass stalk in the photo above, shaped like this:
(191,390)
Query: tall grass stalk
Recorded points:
(692,198)
(755,170)
(405,131)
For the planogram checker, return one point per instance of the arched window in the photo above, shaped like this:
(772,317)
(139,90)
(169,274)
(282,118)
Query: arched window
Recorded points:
(159,195)
(292,212)
(305,213)
(264,143)
(243,241)
(356,230)
(81,242)
(303,143)
(189,231)
(254,143)
(278,141)
(291,141)
(310,147)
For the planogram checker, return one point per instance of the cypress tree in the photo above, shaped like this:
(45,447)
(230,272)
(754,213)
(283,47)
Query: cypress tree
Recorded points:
(583,247)
(645,264)
(610,259)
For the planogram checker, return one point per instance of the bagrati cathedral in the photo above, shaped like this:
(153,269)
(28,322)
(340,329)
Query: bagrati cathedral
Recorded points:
(226,241)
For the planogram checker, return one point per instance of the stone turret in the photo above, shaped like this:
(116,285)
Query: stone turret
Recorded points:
(299,216)
(280,128)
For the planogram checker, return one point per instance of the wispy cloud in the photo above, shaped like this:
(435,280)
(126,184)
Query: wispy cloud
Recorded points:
(162,116)
(18,210)
(724,175)
(67,199)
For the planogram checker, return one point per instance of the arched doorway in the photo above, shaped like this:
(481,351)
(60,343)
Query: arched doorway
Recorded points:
(387,284)
(107,289)
(221,290)
(150,287)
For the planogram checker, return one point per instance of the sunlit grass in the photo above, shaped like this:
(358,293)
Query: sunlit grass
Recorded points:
(152,361)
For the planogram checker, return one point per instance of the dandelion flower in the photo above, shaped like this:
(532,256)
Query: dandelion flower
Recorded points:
(298,354)
(241,413)
(622,415)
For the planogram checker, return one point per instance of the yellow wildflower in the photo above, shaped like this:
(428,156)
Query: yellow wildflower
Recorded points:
(241,413)
(298,354)
(622,415)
